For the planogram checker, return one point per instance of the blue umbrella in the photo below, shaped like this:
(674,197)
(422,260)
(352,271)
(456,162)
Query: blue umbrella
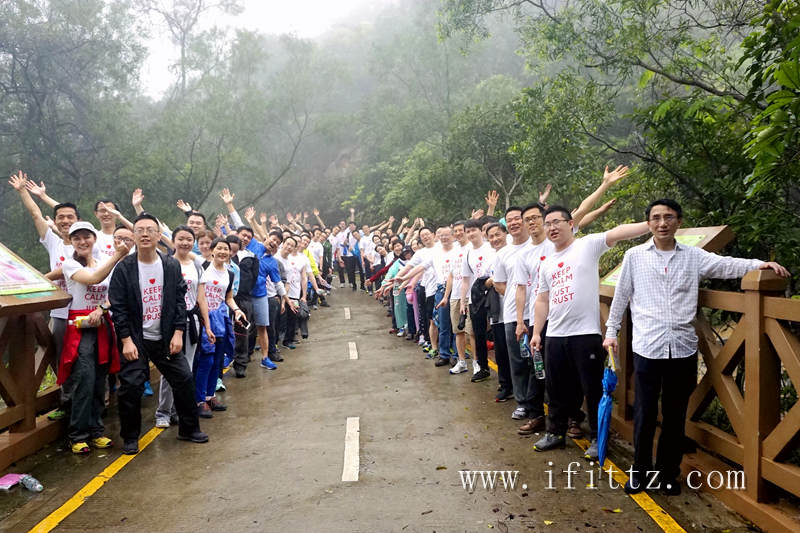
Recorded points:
(604,409)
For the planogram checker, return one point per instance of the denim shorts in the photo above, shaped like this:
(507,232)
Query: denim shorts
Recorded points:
(261,311)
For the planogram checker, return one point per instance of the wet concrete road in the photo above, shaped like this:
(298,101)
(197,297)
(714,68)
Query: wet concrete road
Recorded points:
(275,458)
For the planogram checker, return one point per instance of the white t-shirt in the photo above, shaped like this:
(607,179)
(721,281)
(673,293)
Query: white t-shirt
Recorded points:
(572,279)
(457,270)
(424,256)
(527,272)
(477,263)
(317,251)
(151,290)
(58,253)
(444,261)
(366,246)
(216,285)
(84,296)
(504,266)
(192,280)
(293,267)
(104,245)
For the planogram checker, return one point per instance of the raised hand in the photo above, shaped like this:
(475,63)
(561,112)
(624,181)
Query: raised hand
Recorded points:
(273,219)
(491,198)
(316,212)
(220,221)
(110,208)
(404,221)
(226,196)
(137,198)
(290,216)
(36,190)
(262,217)
(18,181)
(183,206)
(544,195)
(305,215)
(249,212)
(614,176)
(477,213)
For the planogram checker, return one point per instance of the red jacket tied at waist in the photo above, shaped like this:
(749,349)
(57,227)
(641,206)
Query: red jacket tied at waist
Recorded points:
(107,351)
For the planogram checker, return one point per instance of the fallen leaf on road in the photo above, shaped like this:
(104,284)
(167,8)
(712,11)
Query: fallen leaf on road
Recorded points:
(548,522)
(441,467)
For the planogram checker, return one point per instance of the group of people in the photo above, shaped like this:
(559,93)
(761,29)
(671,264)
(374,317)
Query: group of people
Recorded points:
(193,300)
(527,285)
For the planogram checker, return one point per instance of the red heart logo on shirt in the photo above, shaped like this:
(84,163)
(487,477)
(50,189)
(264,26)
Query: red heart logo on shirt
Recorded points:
(480,258)
(183,274)
(561,264)
(152,281)
(216,282)
(446,260)
(108,246)
(460,255)
(61,258)
(542,258)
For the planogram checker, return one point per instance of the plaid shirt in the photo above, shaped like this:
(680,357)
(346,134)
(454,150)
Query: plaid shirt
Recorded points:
(663,296)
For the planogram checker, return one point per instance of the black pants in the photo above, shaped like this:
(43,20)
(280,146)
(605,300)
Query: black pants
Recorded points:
(88,379)
(132,376)
(479,330)
(673,380)
(422,325)
(340,271)
(428,307)
(274,322)
(411,324)
(571,362)
(501,356)
(243,335)
(350,266)
(290,318)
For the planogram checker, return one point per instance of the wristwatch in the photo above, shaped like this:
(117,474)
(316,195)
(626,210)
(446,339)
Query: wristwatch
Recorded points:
(103,308)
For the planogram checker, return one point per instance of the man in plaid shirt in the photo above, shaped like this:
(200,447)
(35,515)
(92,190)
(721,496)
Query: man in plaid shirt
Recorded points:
(660,279)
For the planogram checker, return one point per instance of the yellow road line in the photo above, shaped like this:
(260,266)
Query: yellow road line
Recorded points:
(80,497)
(57,516)
(643,500)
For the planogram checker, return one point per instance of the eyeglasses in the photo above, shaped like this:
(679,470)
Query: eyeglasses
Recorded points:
(122,239)
(532,218)
(554,223)
(148,231)
(669,219)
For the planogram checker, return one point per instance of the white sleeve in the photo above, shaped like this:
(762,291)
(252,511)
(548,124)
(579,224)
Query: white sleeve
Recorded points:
(500,274)
(70,267)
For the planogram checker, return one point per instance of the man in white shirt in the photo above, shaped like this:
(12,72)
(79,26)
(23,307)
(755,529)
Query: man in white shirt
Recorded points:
(661,279)
(569,301)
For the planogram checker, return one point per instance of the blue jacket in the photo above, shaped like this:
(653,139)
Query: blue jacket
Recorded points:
(268,267)
(222,326)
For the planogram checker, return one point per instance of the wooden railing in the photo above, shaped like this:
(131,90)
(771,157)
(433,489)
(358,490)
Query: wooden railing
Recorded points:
(761,438)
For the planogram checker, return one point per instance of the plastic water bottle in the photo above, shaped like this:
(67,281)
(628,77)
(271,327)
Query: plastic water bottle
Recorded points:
(80,322)
(31,483)
(538,364)
(524,349)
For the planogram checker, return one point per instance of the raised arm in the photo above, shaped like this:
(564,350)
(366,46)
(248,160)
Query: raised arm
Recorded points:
(19,181)
(87,277)
(609,179)
(40,191)
(227,198)
(491,202)
(624,232)
(316,215)
(597,213)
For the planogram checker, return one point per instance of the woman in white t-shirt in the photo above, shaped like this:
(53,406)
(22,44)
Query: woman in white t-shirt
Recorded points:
(196,315)
(90,348)
(218,285)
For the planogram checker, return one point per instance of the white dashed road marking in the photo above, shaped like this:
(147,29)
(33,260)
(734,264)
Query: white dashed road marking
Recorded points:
(351,460)
(353,350)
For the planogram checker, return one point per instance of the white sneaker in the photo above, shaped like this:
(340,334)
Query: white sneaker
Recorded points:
(162,423)
(460,367)
(401,332)
(475,367)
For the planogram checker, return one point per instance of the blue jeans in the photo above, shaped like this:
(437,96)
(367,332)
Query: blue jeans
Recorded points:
(442,315)
(207,366)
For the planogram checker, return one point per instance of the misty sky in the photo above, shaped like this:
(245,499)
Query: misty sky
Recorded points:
(305,18)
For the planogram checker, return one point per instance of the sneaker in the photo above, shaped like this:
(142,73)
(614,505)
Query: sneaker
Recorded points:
(401,332)
(409,337)
(216,405)
(220,385)
(79,448)
(130,447)
(475,367)
(324,304)
(148,390)
(174,420)
(289,345)
(421,341)
(239,372)
(101,442)
(441,361)
(531,426)
(459,367)
(480,375)
(269,365)
(58,414)
(275,357)
(196,436)
(574,430)
(550,441)
(204,411)
(392,331)
(503,396)
(591,451)
(432,354)
(520,413)
(634,485)
(162,423)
